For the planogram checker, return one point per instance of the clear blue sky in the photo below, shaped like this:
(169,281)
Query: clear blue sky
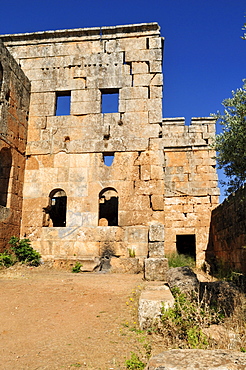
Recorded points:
(204,56)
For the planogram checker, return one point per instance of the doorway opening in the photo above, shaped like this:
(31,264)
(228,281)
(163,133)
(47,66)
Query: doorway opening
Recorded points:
(186,244)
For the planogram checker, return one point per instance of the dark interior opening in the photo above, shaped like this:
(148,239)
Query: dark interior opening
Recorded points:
(108,206)
(5,168)
(63,102)
(186,244)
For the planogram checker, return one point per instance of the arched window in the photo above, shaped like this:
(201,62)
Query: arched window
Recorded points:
(108,207)
(1,75)
(5,168)
(57,209)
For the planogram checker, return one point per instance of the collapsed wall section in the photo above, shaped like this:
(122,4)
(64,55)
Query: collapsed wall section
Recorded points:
(14,106)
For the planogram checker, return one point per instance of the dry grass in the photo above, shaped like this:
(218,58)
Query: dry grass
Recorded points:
(197,323)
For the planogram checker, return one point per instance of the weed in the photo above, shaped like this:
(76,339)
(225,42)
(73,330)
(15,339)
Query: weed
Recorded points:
(180,260)
(135,330)
(183,323)
(77,364)
(134,363)
(76,267)
(24,252)
(132,253)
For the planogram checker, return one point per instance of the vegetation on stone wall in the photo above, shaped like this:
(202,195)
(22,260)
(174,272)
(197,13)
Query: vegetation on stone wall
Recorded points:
(230,144)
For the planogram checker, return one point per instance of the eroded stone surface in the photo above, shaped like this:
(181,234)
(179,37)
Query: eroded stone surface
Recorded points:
(151,303)
(156,269)
(183,278)
(191,359)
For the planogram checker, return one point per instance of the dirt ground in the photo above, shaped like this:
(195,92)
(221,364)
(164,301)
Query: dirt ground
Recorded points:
(54,319)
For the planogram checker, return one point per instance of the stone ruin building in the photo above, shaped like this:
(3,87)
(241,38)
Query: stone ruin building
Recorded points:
(88,167)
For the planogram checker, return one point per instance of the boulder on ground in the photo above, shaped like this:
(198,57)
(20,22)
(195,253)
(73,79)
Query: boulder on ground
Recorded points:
(221,295)
(190,359)
(183,278)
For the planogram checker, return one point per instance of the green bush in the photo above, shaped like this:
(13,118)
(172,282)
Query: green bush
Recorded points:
(180,260)
(24,252)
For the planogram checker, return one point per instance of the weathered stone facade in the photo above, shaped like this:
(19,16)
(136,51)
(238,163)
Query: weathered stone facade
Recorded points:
(163,177)
(227,240)
(14,106)
(191,184)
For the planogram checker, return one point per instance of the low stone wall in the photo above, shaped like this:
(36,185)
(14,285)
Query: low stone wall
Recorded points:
(227,240)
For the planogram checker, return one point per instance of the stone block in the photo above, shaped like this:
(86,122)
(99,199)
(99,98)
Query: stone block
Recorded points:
(138,92)
(155,66)
(157,172)
(155,92)
(155,269)
(156,249)
(145,172)
(140,68)
(155,116)
(125,265)
(190,359)
(156,232)
(151,303)
(142,79)
(157,202)
(136,234)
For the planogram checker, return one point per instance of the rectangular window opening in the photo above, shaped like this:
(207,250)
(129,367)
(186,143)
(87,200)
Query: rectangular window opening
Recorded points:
(110,101)
(108,159)
(63,102)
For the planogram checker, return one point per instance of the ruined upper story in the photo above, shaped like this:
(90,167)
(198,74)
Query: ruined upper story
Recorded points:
(86,66)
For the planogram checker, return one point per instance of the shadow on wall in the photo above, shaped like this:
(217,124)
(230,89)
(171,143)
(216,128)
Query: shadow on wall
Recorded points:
(227,237)
(5,168)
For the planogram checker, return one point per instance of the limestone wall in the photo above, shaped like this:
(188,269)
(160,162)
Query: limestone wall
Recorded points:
(227,242)
(67,152)
(14,105)
(191,183)
(162,176)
